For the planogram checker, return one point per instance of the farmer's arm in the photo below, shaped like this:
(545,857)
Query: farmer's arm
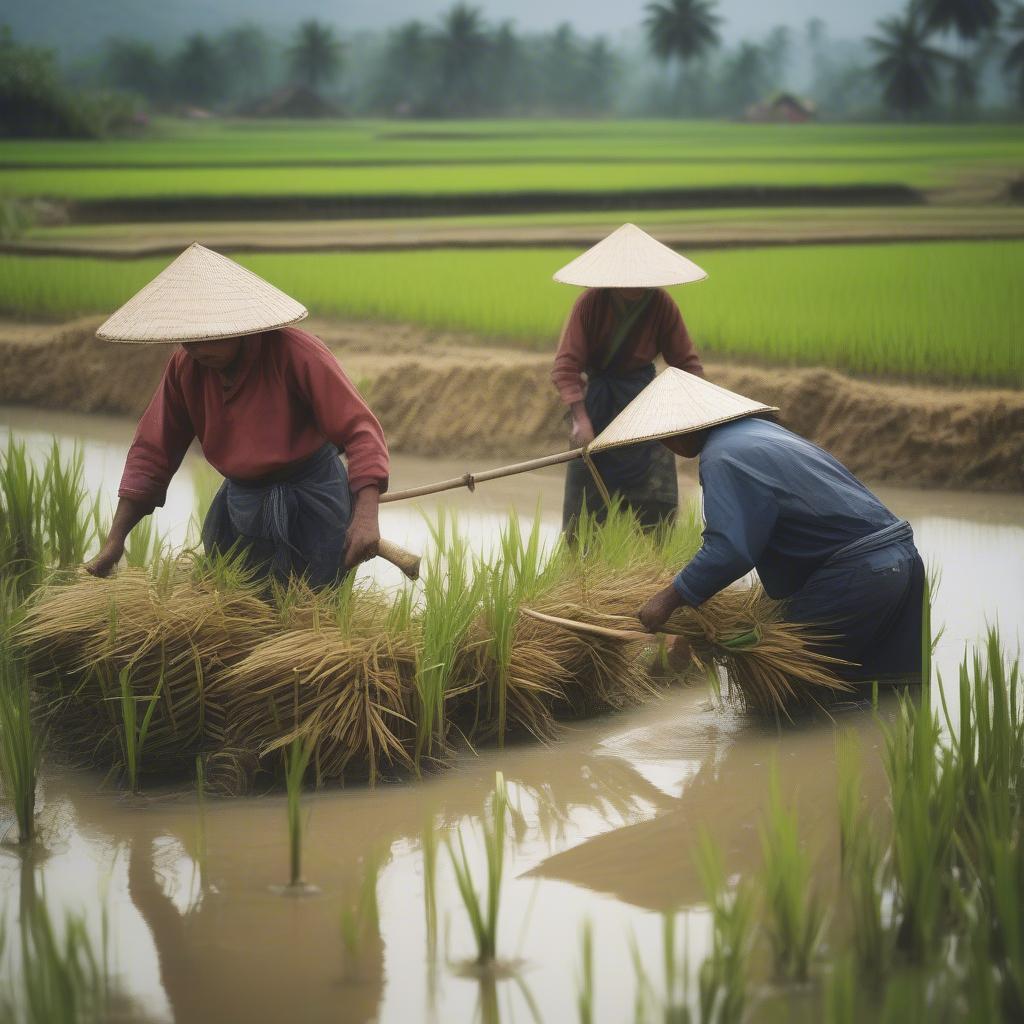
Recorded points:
(739,516)
(346,420)
(677,347)
(570,362)
(161,440)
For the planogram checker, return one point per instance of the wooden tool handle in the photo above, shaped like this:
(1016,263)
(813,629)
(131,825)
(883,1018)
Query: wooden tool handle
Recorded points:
(405,560)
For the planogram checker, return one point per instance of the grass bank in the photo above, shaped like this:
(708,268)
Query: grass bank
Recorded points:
(939,312)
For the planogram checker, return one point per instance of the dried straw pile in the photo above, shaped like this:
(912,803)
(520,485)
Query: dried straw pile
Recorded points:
(235,674)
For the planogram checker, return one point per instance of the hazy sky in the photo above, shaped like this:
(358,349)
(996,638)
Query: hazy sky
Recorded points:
(78,24)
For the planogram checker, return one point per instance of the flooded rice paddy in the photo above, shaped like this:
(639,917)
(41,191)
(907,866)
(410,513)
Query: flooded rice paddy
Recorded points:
(605,822)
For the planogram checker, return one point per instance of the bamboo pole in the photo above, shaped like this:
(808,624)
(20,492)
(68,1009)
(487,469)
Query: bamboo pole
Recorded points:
(470,480)
(593,629)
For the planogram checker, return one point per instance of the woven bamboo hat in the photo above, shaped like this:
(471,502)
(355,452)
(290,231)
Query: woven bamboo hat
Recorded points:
(675,402)
(201,296)
(629,258)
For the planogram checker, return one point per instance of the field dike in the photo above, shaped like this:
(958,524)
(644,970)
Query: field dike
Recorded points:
(440,395)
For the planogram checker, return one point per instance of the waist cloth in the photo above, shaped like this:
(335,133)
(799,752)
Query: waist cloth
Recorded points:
(291,522)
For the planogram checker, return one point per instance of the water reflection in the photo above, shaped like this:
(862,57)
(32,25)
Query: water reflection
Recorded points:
(606,821)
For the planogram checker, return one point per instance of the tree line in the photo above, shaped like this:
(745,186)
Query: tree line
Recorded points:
(933,58)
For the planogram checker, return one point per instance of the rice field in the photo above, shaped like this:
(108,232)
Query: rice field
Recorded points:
(941,312)
(361,157)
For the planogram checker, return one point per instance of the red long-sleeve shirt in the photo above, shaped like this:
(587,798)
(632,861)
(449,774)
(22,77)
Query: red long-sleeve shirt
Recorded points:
(288,397)
(660,331)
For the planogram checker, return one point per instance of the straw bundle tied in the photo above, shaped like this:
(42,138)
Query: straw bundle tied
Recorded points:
(235,674)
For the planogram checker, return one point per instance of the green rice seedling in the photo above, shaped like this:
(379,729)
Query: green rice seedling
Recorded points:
(202,851)
(842,993)
(22,531)
(862,870)
(451,601)
(511,579)
(360,914)
(482,910)
(296,761)
(144,546)
(585,975)
(21,742)
(132,732)
(722,979)
(796,915)
(69,514)
(925,795)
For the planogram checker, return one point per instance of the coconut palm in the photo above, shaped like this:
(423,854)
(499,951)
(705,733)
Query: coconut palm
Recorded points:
(315,56)
(1013,62)
(967,18)
(907,65)
(462,43)
(683,31)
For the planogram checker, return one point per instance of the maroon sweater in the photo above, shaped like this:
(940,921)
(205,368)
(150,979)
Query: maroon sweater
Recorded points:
(287,397)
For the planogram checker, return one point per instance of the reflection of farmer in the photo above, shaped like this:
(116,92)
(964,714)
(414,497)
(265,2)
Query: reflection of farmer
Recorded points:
(776,503)
(616,329)
(271,409)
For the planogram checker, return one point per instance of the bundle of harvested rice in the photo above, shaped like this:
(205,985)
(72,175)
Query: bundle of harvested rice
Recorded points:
(160,638)
(347,696)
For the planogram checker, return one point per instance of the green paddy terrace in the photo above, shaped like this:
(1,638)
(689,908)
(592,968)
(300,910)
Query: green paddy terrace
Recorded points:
(488,157)
(944,312)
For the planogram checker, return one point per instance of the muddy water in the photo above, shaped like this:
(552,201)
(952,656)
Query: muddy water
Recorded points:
(606,824)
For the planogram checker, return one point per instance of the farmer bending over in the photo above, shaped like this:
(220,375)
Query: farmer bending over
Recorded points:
(776,503)
(271,408)
(617,328)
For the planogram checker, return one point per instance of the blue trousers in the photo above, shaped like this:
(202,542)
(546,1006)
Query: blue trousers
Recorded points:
(291,523)
(870,606)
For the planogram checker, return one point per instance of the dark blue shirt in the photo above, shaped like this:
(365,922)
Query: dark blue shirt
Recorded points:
(776,503)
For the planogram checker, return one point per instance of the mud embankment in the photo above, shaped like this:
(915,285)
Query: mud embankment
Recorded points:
(437,396)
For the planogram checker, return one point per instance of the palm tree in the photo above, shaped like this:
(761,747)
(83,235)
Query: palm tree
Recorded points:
(908,66)
(199,71)
(968,18)
(682,30)
(1013,62)
(315,56)
(462,45)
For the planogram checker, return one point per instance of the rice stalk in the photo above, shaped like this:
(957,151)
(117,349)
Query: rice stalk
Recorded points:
(796,916)
(451,600)
(21,741)
(722,979)
(133,733)
(68,514)
(482,910)
(296,761)
(862,871)
(22,530)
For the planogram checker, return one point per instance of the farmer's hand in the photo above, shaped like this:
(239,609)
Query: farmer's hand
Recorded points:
(363,531)
(656,612)
(103,564)
(582,429)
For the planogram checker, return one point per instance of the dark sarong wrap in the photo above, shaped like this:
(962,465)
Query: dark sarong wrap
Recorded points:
(644,475)
(291,523)
(869,594)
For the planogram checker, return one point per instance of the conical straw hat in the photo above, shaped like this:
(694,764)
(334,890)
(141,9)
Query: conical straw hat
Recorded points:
(201,296)
(675,402)
(629,258)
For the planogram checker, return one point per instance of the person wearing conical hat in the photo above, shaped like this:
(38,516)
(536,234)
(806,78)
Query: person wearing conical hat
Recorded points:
(617,327)
(272,410)
(778,504)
